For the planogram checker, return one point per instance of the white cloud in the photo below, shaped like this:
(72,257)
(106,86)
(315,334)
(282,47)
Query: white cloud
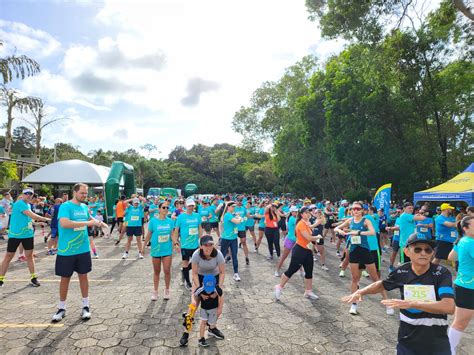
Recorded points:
(26,40)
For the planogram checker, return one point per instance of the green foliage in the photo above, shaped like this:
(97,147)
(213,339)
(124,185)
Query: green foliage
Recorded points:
(8,172)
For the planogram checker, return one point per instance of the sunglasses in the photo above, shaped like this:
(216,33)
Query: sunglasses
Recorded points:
(356,209)
(418,250)
(165,208)
(29,193)
(208,245)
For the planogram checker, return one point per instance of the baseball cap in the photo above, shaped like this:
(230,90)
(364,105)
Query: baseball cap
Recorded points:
(415,238)
(304,209)
(190,202)
(446,206)
(343,202)
(209,283)
(293,209)
(312,207)
(136,200)
(207,239)
(407,204)
(28,190)
(307,201)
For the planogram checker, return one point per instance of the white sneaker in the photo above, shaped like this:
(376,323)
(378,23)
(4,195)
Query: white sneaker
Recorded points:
(125,255)
(167,294)
(140,256)
(277,274)
(365,273)
(154,295)
(315,258)
(86,313)
(277,292)
(302,273)
(353,309)
(236,277)
(311,295)
(59,315)
(390,311)
(342,273)
(324,267)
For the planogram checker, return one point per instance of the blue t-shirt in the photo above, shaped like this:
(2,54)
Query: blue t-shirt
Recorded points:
(443,233)
(250,221)
(242,212)
(406,222)
(261,212)
(188,225)
(153,211)
(342,213)
(230,228)
(161,241)
(54,212)
(396,233)
(205,213)
(21,225)
(372,239)
(213,218)
(424,232)
(73,241)
(291,229)
(94,207)
(382,222)
(465,250)
(134,215)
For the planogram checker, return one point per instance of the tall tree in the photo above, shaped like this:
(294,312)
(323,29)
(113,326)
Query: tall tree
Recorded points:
(19,67)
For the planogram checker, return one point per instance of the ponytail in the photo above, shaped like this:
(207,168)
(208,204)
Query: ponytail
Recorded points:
(463,223)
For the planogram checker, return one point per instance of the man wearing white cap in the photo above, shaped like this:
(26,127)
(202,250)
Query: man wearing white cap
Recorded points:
(134,217)
(188,228)
(21,232)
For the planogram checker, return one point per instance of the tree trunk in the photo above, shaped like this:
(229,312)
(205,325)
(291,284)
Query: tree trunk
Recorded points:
(38,143)
(8,135)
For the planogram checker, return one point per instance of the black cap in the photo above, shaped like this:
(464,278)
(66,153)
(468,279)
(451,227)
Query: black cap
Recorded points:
(304,209)
(415,238)
(407,204)
(207,239)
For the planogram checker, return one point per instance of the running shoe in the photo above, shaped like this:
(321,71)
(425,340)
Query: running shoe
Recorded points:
(34,282)
(324,267)
(59,315)
(247,261)
(1,283)
(45,239)
(391,269)
(86,313)
(240,245)
(203,343)
(140,256)
(256,250)
(117,242)
(270,257)
(154,295)
(365,273)
(390,311)
(182,277)
(22,258)
(277,274)
(315,258)
(311,295)
(2,237)
(188,286)
(215,333)
(227,259)
(353,309)
(342,273)
(125,255)
(278,290)
(302,273)
(184,339)
(167,295)
(338,253)
(236,277)
(96,256)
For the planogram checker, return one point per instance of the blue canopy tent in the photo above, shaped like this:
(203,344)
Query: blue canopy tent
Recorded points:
(459,188)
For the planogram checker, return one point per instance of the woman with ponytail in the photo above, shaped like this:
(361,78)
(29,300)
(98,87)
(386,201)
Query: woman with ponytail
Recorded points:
(464,284)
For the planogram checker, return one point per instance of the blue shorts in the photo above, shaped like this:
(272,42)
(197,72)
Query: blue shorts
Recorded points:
(54,232)
(66,265)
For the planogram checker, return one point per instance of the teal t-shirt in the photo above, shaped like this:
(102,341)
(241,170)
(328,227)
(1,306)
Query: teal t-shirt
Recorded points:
(213,218)
(291,229)
(73,241)
(188,225)
(443,233)
(161,241)
(406,222)
(205,213)
(134,215)
(424,232)
(250,221)
(261,212)
(342,213)
(396,233)
(465,250)
(21,225)
(94,207)
(153,211)
(242,212)
(230,229)
(372,239)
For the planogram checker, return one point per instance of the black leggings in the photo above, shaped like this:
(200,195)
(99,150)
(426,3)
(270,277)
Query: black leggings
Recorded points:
(114,221)
(301,257)
(273,238)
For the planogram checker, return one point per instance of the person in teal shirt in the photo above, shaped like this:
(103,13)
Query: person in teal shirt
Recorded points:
(424,228)
(250,224)
(188,228)
(134,216)
(205,212)
(214,220)
(464,284)
(446,233)
(261,224)
(160,235)
(242,212)
(290,239)
(230,223)
(374,242)
(406,224)
(21,232)
(73,249)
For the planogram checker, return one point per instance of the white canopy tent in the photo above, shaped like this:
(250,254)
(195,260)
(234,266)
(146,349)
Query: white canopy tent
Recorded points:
(68,172)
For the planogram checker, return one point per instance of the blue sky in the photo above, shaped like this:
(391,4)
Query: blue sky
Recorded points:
(165,72)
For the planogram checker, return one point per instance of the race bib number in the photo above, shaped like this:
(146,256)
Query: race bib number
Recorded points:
(425,293)
(203,219)
(193,231)
(309,245)
(79,229)
(163,238)
(397,233)
(134,218)
(453,234)
(30,225)
(355,239)
(245,219)
(423,230)
(236,230)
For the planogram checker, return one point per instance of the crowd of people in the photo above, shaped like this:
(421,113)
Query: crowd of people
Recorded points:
(208,234)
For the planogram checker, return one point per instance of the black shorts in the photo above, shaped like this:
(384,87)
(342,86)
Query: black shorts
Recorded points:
(261,229)
(464,297)
(395,245)
(119,219)
(320,242)
(206,226)
(187,254)
(90,231)
(250,228)
(214,225)
(66,265)
(242,234)
(375,257)
(134,231)
(341,236)
(443,249)
(13,243)
(282,224)
(361,256)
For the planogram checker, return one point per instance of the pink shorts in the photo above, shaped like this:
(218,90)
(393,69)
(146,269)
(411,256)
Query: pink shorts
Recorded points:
(289,244)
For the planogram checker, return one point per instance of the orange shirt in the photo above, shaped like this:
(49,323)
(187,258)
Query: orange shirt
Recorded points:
(120,209)
(270,223)
(300,228)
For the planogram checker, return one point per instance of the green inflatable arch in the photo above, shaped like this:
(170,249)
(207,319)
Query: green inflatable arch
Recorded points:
(112,185)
